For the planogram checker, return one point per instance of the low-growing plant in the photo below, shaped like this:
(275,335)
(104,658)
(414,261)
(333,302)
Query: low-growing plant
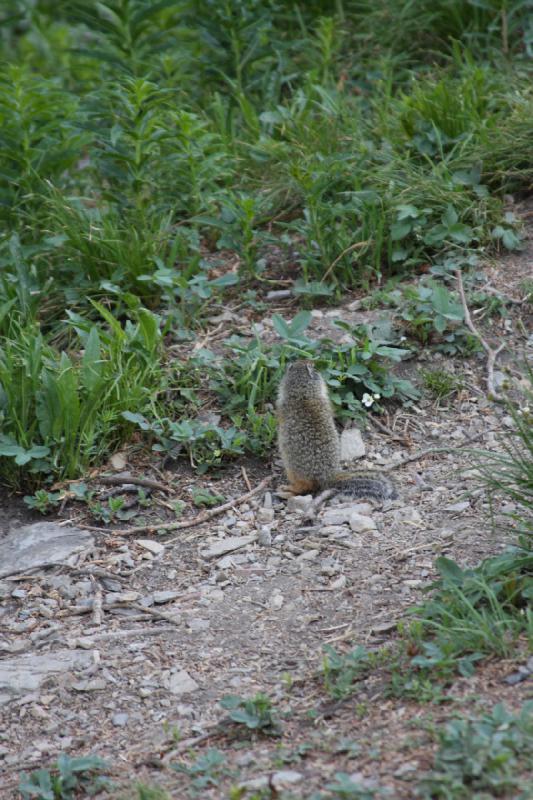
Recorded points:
(341,671)
(255,713)
(62,412)
(205,772)
(507,472)
(441,383)
(472,613)
(65,780)
(482,756)
(43,501)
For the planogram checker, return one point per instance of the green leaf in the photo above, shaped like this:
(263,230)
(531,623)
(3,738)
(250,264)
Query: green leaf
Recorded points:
(449,570)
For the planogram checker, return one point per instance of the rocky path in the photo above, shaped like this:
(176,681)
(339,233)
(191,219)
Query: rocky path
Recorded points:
(120,646)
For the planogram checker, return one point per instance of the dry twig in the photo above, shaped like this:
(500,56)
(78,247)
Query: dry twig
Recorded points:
(491,354)
(188,523)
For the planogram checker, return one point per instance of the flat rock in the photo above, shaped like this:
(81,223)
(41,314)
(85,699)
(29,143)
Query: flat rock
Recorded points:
(352,445)
(300,503)
(227,545)
(26,673)
(360,523)
(181,683)
(156,548)
(42,543)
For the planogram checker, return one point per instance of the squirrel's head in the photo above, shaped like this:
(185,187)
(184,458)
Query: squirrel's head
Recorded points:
(301,380)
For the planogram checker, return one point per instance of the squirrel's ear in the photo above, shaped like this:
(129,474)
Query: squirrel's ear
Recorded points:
(310,369)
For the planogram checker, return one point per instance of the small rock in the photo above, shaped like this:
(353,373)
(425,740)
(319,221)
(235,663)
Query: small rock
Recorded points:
(352,445)
(181,683)
(309,555)
(335,516)
(285,777)
(413,583)
(276,600)
(119,720)
(227,545)
(156,548)
(118,461)
(264,536)
(407,515)
(339,583)
(334,531)
(462,506)
(360,524)
(198,625)
(165,597)
(300,503)
(265,516)
(90,685)
(267,500)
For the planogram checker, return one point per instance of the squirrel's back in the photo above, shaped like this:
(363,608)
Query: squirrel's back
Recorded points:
(308,440)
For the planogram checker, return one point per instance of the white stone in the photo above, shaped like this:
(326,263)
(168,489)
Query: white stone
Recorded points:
(227,545)
(26,673)
(360,523)
(352,445)
(300,502)
(181,683)
(153,547)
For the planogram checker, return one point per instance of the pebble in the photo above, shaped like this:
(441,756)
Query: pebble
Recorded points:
(198,625)
(300,503)
(462,506)
(360,524)
(119,720)
(284,778)
(334,531)
(264,536)
(165,597)
(181,683)
(352,445)
(153,547)
(265,516)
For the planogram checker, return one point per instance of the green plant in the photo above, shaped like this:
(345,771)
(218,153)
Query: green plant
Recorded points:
(508,471)
(441,383)
(341,671)
(204,772)
(43,501)
(473,612)
(60,412)
(151,793)
(255,713)
(349,789)
(66,780)
(482,756)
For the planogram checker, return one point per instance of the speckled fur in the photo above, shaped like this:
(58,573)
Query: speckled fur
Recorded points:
(308,440)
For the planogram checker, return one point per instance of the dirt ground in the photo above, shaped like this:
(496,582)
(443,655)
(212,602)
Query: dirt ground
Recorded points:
(256,618)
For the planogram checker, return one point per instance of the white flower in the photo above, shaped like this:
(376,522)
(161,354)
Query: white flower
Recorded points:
(367,400)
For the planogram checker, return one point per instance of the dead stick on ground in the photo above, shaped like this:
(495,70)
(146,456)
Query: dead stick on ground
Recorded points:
(430,451)
(119,480)
(491,354)
(188,523)
(246,479)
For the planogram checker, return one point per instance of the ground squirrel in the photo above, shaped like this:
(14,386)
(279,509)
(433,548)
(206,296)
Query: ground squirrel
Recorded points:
(309,443)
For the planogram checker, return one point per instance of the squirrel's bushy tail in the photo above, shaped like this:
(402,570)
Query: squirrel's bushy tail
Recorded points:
(366,484)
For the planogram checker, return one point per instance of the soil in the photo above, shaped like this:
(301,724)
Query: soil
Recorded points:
(257,619)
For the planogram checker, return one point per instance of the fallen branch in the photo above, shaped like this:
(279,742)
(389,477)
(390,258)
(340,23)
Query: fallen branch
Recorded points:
(492,392)
(120,480)
(430,451)
(188,523)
